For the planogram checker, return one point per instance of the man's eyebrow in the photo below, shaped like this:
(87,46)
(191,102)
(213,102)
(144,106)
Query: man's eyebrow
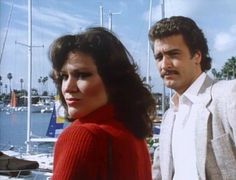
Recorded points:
(171,51)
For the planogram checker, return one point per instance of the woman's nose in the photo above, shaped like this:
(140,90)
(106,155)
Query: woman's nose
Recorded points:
(71,84)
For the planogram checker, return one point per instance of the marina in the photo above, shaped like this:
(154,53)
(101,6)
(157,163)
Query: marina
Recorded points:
(13,133)
(23,129)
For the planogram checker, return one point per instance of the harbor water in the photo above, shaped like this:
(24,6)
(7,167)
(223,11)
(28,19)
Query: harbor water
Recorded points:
(13,127)
(13,134)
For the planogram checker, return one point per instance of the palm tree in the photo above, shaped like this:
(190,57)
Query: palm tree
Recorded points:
(232,62)
(9,76)
(45,79)
(6,88)
(21,83)
(0,84)
(40,81)
(0,87)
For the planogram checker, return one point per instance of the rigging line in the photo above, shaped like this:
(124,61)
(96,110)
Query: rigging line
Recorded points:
(5,38)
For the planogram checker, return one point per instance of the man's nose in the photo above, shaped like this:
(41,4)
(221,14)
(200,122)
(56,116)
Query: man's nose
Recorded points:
(166,63)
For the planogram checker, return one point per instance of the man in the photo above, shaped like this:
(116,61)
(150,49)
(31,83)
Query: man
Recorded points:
(198,131)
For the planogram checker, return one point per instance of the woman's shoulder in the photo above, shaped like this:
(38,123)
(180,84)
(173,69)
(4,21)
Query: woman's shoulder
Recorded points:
(83,136)
(80,129)
(97,132)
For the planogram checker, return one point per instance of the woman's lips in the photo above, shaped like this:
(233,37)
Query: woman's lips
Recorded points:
(72,101)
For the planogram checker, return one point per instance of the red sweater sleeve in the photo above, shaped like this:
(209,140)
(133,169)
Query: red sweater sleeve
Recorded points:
(79,155)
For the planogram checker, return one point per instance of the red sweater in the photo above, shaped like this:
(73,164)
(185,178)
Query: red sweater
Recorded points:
(81,152)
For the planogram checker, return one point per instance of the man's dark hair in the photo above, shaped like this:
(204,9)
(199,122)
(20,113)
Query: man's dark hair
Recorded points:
(192,35)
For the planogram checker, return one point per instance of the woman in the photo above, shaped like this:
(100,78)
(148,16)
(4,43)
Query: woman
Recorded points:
(109,108)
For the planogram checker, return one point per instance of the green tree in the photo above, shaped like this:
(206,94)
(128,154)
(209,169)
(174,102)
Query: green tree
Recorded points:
(216,74)
(40,81)
(45,79)
(45,93)
(229,69)
(34,92)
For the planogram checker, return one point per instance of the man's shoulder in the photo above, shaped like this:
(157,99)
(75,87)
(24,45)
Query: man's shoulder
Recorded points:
(225,82)
(223,90)
(224,87)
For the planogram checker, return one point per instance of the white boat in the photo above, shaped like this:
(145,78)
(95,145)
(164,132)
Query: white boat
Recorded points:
(45,160)
(44,171)
(44,104)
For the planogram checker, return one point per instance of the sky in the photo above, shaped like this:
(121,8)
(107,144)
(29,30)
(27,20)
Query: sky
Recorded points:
(130,22)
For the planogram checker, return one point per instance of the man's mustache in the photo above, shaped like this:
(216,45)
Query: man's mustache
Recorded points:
(168,72)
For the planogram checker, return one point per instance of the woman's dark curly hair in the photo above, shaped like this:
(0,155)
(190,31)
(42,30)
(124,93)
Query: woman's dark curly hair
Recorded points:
(133,101)
(192,35)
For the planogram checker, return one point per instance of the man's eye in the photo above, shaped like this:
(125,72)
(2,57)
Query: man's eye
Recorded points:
(173,55)
(158,57)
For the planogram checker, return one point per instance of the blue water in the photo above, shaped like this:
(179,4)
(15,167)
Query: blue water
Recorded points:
(13,127)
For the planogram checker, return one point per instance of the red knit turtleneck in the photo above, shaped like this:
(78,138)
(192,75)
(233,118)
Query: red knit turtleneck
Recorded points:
(81,152)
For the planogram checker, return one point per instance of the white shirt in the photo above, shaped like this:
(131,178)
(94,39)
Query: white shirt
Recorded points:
(183,137)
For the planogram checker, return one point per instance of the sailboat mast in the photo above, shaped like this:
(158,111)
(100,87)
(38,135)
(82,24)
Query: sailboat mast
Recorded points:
(101,15)
(164,88)
(148,50)
(29,74)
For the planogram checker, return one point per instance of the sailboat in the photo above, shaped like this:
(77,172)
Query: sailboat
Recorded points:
(11,107)
(56,124)
(13,99)
(44,161)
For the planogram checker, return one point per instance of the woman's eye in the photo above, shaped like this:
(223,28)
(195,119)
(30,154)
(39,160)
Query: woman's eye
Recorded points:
(63,76)
(83,75)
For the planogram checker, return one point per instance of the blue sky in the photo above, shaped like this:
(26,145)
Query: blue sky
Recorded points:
(53,18)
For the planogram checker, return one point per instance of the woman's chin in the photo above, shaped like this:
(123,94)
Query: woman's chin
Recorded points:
(74,113)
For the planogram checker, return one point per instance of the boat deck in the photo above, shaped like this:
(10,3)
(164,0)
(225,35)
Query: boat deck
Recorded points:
(44,172)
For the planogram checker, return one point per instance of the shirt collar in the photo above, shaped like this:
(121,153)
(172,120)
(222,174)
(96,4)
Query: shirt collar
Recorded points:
(190,94)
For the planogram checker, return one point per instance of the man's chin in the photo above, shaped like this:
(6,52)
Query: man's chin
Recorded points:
(168,83)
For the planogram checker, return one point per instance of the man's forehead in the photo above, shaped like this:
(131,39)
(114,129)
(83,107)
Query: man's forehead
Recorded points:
(164,47)
(173,42)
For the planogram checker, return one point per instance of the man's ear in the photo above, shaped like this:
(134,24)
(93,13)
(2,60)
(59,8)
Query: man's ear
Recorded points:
(197,57)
